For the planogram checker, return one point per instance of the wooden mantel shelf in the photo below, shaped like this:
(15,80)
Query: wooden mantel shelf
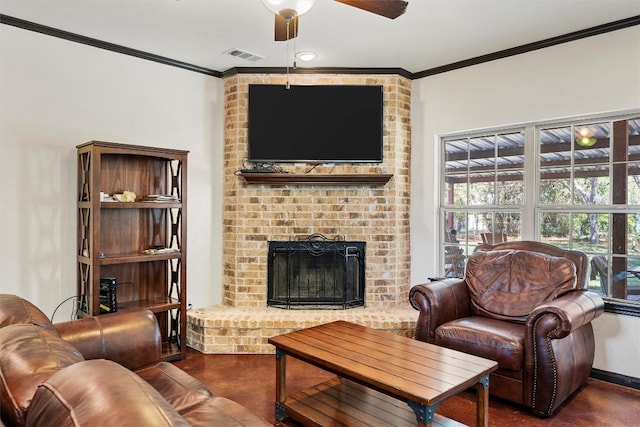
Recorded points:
(316,179)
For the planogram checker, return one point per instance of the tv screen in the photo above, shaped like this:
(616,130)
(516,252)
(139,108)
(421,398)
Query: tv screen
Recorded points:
(315,124)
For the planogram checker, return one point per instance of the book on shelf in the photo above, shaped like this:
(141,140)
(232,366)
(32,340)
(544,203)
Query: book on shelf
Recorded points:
(160,250)
(160,198)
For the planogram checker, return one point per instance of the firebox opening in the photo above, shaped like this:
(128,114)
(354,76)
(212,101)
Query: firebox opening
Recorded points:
(316,273)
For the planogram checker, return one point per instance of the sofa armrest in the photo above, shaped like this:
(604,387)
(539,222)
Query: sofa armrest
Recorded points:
(438,302)
(129,338)
(558,318)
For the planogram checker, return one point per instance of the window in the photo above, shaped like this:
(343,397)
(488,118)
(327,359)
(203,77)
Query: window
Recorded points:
(483,194)
(578,189)
(589,199)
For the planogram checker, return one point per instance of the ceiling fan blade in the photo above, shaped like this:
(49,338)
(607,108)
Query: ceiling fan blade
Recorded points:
(281,28)
(387,8)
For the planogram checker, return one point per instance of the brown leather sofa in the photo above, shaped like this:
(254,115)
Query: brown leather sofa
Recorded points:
(524,305)
(98,371)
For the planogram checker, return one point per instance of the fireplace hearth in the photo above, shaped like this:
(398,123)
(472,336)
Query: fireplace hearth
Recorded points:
(316,273)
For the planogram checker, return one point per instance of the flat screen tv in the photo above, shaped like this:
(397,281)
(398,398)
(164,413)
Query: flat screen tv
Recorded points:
(315,124)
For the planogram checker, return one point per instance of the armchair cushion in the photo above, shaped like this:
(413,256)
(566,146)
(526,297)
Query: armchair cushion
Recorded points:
(485,337)
(509,284)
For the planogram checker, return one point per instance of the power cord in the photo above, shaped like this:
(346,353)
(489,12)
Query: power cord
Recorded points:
(259,168)
(73,313)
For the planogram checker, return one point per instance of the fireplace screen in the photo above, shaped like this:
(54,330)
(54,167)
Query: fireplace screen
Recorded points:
(316,273)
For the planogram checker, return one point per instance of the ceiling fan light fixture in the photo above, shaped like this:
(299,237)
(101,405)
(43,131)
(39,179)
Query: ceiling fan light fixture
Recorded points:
(289,9)
(306,56)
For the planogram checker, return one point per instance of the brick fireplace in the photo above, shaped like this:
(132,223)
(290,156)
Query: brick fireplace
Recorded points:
(255,214)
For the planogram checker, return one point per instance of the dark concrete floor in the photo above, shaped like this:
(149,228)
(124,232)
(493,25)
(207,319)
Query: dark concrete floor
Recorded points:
(250,380)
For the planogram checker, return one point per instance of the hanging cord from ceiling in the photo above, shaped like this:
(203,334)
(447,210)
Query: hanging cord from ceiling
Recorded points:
(288,86)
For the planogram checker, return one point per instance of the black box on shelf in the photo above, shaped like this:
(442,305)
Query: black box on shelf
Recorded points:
(108,301)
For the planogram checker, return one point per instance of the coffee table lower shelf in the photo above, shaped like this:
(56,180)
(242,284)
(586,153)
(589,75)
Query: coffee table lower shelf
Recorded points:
(340,402)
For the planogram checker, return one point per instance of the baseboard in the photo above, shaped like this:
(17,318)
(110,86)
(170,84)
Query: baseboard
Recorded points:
(612,377)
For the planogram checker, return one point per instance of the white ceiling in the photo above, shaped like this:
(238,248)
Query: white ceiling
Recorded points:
(430,34)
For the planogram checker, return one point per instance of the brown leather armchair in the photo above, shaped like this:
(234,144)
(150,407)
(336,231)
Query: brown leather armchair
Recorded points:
(524,305)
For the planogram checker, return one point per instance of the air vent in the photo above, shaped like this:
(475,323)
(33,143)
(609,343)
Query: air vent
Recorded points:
(239,53)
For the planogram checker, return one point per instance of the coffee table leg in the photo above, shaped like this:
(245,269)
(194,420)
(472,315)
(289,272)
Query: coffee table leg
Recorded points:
(482,392)
(424,413)
(281,383)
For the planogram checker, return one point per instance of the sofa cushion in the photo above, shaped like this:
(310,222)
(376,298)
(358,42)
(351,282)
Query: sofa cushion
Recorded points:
(489,338)
(223,412)
(180,389)
(28,356)
(194,401)
(509,284)
(14,310)
(100,392)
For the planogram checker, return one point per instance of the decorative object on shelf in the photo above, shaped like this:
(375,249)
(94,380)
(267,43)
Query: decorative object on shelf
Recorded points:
(126,196)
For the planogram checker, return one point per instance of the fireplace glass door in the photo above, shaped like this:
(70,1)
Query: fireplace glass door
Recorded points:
(316,274)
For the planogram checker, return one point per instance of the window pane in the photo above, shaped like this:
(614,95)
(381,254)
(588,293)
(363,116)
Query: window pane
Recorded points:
(633,184)
(511,192)
(555,147)
(510,173)
(592,143)
(633,279)
(509,224)
(554,229)
(590,232)
(591,185)
(633,229)
(456,172)
(482,191)
(455,246)
(455,191)
(554,187)
(615,277)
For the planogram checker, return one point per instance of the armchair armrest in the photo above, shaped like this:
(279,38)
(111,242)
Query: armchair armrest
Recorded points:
(559,349)
(438,302)
(564,315)
(131,339)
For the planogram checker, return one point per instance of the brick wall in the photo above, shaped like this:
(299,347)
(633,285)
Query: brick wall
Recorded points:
(378,215)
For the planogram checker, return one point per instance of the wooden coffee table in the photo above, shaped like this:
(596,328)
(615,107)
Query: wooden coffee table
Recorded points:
(376,372)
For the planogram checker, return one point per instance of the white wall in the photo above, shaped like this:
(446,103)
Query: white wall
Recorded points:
(594,75)
(56,94)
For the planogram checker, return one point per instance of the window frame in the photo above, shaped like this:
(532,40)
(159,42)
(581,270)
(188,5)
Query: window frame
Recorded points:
(531,211)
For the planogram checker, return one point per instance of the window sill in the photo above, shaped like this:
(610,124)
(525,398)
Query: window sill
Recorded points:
(623,307)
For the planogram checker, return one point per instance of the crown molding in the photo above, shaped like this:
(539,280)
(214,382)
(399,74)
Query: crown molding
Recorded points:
(316,70)
(529,47)
(66,35)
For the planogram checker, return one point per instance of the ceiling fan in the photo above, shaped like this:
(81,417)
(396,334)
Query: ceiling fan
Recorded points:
(287,12)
